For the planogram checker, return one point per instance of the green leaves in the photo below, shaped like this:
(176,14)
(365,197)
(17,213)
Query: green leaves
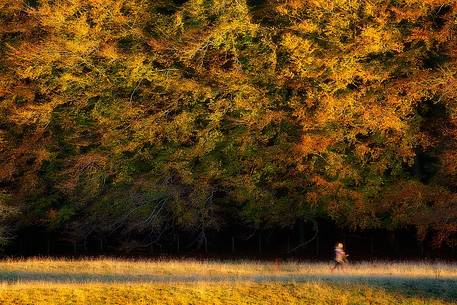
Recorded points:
(309,108)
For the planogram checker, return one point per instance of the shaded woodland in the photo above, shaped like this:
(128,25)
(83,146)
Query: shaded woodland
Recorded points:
(166,126)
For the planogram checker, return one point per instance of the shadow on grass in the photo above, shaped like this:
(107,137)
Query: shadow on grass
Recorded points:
(438,288)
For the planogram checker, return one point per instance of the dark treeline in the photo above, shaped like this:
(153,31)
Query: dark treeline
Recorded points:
(298,242)
(153,127)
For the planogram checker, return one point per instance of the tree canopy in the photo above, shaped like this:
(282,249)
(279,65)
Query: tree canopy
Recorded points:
(143,118)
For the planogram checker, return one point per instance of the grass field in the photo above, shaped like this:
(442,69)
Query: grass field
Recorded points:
(108,281)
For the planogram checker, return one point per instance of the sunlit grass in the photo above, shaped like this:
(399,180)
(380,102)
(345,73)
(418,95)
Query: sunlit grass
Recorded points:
(112,281)
(229,268)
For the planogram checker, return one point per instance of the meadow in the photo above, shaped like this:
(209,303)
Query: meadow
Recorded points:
(116,281)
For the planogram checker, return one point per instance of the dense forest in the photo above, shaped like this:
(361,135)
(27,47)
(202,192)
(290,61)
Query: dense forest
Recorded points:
(132,123)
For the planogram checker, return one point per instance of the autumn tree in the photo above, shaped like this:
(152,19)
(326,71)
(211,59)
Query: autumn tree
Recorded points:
(148,118)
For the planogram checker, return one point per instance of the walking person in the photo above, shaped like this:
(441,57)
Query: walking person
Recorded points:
(340,256)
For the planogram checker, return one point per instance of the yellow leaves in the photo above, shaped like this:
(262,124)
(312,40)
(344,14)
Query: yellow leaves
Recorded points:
(344,71)
(336,166)
(67,79)
(376,40)
(306,26)
(188,86)
(362,150)
(244,100)
(5,87)
(232,22)
(223,36)
(80,27)
(230,8)
(178,22)
(84,47)
(302,58)
(34,72)
(215,118)
(371,9)
(348,5)
(184,121)
(138,67)
(343,110)
(41,155)
(181,128)
(208,140)
(34,114)
(299,46)
(282,9)
(52,16)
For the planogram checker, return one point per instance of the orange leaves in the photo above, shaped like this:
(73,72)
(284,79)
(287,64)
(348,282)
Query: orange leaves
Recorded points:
(448,170)
(86,171)
(409,13)
(320,100)
(295,4)
(313,198)
(384,120)
(7,171)
(362,150)
(90,161)
(158,45)
(343,205)
(319,181)
(310,144)
(432,209)
(11,6)
(23,93)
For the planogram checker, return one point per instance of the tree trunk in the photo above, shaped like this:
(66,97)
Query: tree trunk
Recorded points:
(48,244)
(301,231)
(371,246)
(288,243)
(260,242)
(178,245)
(421,249)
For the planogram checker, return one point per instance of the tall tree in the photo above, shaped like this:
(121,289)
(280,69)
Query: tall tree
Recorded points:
(147,118)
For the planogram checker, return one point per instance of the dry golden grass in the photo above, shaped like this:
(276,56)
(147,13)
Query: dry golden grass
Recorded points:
(209,293)
(223,268)
(111,281)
